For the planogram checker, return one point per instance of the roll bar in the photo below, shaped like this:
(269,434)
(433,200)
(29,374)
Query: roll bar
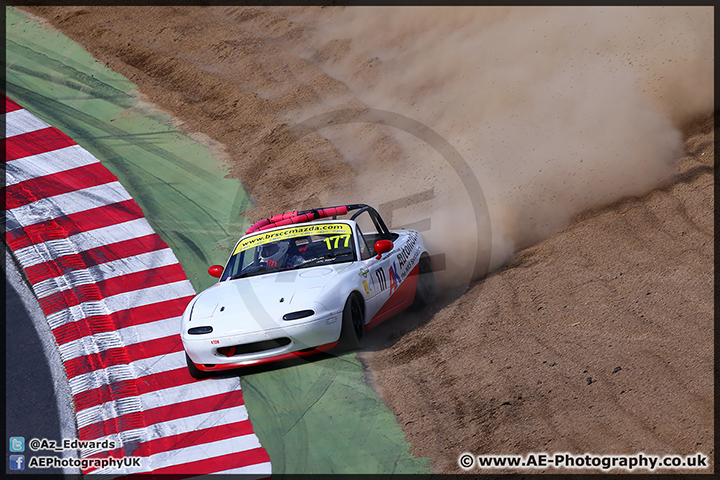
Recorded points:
(290,218)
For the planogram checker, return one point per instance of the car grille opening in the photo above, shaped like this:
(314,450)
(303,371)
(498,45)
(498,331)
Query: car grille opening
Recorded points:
(255,347)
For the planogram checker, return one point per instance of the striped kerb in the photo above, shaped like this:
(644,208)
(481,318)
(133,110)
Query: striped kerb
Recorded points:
(113,294)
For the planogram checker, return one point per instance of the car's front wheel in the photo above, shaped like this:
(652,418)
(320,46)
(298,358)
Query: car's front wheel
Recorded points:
(353,325)
(195,372)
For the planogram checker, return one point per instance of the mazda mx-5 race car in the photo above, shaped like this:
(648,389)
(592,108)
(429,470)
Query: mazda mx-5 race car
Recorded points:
(304,282)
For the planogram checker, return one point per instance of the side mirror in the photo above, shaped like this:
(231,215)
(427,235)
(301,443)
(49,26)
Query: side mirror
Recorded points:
(382,246)
(216,271)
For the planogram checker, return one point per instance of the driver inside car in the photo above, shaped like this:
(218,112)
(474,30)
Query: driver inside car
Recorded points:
(276,255)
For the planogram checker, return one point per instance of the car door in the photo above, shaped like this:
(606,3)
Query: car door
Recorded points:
(384,279)
(370,278)
(391,298)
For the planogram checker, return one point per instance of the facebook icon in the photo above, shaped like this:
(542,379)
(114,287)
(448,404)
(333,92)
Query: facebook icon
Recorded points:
(17,462)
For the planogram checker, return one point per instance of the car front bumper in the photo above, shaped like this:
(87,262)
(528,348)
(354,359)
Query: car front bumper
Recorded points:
(297,338)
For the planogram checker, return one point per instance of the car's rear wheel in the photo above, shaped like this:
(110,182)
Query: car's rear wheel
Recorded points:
(353,325)
(195,372)
(425,291)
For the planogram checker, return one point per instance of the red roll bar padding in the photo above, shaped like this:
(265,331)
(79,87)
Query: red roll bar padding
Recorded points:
(267,221)
(282,216)
(332,211)
(281,223)
(261,223)
(289,218)
(305,217)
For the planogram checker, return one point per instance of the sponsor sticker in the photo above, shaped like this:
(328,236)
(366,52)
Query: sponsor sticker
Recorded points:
(292,232)
(395,279)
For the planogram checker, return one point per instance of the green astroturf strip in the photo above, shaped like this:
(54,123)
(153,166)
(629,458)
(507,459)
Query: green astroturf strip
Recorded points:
(326,419)
(313,417)
(177,182)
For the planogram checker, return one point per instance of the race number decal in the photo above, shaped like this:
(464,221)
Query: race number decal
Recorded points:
(334,241)
(381,278)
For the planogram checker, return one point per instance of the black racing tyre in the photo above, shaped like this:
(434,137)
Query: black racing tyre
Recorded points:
(425,291)
(195,372)
(353,325)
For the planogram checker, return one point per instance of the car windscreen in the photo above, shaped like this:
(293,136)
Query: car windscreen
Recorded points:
(291,248)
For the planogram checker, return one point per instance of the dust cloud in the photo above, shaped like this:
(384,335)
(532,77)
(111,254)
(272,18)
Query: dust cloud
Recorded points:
(555,110)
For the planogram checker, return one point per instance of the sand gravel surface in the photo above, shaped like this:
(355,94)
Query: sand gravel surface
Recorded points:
(591,134)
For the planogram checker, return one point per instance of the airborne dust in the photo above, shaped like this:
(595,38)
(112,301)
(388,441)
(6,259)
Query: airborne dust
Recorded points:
(555,110)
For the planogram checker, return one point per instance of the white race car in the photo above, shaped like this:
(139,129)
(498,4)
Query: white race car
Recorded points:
(301,283)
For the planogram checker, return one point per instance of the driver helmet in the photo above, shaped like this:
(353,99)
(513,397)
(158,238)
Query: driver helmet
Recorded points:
(274,254)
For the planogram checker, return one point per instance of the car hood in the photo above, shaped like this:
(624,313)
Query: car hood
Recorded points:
(247,305)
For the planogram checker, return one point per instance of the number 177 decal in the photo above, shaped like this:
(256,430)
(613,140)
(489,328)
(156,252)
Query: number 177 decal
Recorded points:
(329,241)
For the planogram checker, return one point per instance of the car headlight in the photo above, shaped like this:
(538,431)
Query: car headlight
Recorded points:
(298,315)
(200,330)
